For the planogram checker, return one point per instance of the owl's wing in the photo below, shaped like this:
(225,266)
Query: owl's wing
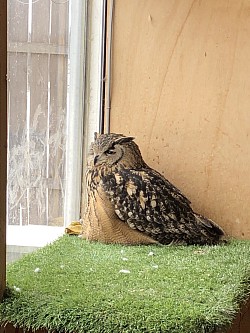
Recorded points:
(147,202)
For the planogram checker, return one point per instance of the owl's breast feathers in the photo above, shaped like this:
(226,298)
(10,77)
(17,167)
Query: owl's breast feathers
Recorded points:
(147,202)
(100,222)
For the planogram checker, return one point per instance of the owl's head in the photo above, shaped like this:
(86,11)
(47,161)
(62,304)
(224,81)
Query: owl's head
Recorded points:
(111,150)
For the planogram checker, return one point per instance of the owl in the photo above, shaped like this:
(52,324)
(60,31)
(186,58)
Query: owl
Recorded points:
(131,203)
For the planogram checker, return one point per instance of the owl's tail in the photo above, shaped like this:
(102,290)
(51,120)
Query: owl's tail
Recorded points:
(211,233)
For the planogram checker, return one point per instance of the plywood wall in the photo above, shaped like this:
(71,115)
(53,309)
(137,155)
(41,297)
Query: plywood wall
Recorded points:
(181,86)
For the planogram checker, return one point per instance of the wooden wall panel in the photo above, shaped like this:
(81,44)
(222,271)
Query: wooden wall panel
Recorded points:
(17,100)
(56,162)
(181,86)
(59,22)
(40,21)
(18,25)
(37,76)
(58,108)
(38,85)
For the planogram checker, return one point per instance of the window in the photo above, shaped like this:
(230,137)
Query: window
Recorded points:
(55,64)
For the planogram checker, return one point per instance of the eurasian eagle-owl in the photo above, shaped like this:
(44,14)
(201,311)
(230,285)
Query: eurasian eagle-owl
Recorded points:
(130,203)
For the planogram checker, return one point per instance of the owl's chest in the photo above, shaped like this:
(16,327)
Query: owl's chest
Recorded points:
(102,224)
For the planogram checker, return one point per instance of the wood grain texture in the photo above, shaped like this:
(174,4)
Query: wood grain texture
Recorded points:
(3,143)
(17,106)
(180,85)
(37,103)
(241,323)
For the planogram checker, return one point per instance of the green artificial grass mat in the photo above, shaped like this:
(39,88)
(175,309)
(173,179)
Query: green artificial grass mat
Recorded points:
(76,286)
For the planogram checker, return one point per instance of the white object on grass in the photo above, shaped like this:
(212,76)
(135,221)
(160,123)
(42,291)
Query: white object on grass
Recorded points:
(125,271)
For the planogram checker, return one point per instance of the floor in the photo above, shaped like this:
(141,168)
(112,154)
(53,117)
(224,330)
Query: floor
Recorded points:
(15,252)
(25,239)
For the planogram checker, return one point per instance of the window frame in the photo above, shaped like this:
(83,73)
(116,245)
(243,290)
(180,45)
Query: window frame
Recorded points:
(84,114)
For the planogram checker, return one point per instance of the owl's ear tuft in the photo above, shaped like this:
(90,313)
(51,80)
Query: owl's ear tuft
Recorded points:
(96,135)
(124,139)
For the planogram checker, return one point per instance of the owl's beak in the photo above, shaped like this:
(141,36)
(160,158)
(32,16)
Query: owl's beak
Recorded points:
(96,159)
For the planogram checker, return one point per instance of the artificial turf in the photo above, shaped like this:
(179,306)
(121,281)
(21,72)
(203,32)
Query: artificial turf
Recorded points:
(76,286)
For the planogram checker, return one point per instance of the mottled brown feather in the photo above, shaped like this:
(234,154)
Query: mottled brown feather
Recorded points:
(130,203)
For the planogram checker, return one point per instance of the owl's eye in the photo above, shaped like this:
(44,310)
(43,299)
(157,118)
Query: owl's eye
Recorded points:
(110,151)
